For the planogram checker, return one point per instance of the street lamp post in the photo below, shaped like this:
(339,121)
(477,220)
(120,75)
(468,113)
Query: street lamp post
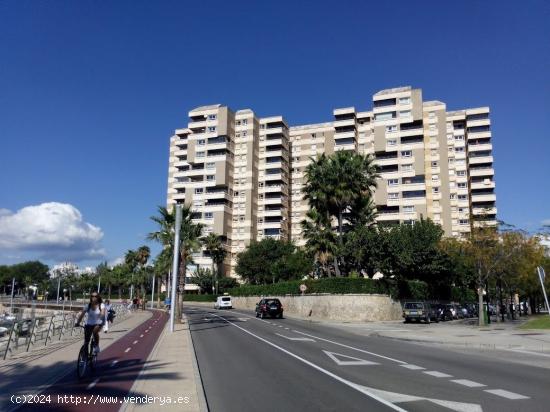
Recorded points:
(175,264)
(12,291)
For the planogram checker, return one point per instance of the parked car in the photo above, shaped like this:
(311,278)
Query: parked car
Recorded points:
(420,311)
(223,302)
(444,313)
(269,307)
(452,311)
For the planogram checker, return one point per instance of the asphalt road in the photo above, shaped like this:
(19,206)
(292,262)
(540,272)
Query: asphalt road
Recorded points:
(282,364)
(117,368)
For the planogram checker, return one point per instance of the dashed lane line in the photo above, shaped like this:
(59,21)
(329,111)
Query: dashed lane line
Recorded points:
(413,367)
(437,374)
(468,383)
(127,350)
(91,385)
(113,363)
(506,394)
(135,342)
(141,336)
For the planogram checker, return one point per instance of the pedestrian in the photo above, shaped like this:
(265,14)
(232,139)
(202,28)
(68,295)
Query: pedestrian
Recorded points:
(108,315)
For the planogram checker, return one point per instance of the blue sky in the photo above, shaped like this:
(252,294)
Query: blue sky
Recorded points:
(90,92)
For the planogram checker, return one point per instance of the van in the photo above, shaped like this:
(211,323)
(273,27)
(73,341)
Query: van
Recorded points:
(223,302)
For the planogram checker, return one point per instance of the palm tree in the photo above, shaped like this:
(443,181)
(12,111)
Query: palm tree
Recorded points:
(142,256)
(190,233)
(338,185)
(130,258)
(214,245)
(321,241)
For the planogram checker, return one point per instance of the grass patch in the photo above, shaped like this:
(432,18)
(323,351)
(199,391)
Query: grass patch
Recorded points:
(540,322)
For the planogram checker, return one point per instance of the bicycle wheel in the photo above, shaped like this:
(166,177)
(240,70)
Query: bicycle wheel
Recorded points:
(82,362)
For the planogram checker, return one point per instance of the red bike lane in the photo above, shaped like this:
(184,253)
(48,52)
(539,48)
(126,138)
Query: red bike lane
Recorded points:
(117,368)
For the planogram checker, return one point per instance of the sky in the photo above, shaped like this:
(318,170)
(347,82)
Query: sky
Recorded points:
(91,91)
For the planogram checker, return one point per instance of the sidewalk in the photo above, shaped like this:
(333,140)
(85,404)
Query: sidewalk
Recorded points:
(32,372)
(176,355)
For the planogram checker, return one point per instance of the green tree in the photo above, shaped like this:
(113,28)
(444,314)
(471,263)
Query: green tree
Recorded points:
(216,250)
(338,185)
(321,240)
(190,234)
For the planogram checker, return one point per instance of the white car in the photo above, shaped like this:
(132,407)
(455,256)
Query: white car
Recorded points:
(223,302)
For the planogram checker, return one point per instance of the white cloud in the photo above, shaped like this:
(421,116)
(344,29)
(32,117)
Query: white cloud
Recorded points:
(545,222)
(115,262)
(51,230)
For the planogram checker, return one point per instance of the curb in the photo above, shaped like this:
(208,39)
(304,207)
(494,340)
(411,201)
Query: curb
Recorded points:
(203,404)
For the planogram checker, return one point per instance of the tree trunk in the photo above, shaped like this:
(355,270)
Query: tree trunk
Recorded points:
(109,291)
(340,242)
(481,318)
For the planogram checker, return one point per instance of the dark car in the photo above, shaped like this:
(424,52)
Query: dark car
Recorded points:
(443,312)
(269,307)
(420,311)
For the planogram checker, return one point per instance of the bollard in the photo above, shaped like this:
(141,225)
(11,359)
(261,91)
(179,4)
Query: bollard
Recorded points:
(48,334)
(31,334)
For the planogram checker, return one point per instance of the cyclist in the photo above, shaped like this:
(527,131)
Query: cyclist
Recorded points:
(96,318)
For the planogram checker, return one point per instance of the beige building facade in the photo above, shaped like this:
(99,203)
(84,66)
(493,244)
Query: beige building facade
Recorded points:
(243,175)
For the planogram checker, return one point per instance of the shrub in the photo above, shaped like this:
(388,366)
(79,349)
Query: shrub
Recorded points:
(199,298)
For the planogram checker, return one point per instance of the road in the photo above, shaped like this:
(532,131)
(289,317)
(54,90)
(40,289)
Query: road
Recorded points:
(118,367)
(282,364)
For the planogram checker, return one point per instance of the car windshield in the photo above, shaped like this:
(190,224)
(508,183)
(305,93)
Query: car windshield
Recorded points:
(273,302)
(228,299)
(414,305)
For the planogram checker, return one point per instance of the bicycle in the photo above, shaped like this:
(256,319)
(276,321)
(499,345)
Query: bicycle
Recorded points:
(87,358)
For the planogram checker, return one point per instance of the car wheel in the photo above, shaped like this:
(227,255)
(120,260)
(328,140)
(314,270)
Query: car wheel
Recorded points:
(262,315)
(428,320)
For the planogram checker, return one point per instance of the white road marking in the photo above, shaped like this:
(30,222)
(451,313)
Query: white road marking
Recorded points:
(438,374)
(135,342)
(355,361)
(506,394)
(113,363)
(359,388)
(469,384)
(141,336)
(287,328)
(350,347)
(243,319)
(413,367)
(146,330)
(127,350)
(91,385)
(280,326)
(298,339)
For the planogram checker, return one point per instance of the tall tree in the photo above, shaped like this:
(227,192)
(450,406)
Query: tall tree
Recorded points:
(216,250)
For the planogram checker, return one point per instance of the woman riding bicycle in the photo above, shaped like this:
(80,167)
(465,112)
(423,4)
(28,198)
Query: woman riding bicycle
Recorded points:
(96,318)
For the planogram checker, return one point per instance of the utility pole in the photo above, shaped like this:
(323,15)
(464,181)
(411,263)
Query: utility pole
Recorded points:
(98,283)
(12,290)
(58,285)
(153,292)
(542,276)
(175,265)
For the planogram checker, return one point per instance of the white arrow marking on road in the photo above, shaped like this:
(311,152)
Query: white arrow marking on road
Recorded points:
(243,319)
(299,339)
(412,367)
(437,374)
(354,361)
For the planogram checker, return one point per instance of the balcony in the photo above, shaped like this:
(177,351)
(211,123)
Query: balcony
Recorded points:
(473,160)
(344,123)
(272,130)
(482,171)
(482,185)
(484,211)
(483,197)
(344,135)
(479,147)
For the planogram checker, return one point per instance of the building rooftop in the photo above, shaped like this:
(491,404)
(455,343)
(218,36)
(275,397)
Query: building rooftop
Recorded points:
(394,90)
(311,126)
(203,108)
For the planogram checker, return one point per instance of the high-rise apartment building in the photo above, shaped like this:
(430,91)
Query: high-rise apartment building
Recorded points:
(243,175)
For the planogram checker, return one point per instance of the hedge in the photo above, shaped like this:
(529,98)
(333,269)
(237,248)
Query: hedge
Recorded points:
(325,285)
(191,297)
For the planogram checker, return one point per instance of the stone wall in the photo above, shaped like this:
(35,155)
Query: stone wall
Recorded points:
(344,308)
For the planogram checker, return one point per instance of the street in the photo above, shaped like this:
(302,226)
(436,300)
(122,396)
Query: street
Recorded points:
(283,364)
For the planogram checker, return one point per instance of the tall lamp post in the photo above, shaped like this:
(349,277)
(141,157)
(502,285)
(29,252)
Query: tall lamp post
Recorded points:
(175,264)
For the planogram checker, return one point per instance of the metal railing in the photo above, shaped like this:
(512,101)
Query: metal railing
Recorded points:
(24,334)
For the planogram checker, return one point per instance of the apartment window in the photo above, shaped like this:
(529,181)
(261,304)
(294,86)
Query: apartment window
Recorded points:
(459,149)
(198,190)
(197,203)
(244,133)
(201,142)
(406,153)
(459,137)
(462,185)
(392,142)
(391,129)
(435,164)
(199,154)
(435,189)
(463,221)
(210,165)
(452,196)
(431,114)
(460,162)
(407,168)
(237,135)
(313,135)
(462,197)
(209,215)
(393,182)
(245,121)
(461,210)
(435,177)
(212,117)
(211,129)
(404,100)
(384,116)
(210,178)
(393,196)
(450,137)
(461,172)
(405,113)
(451,161)
(238,123)
(408,209)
